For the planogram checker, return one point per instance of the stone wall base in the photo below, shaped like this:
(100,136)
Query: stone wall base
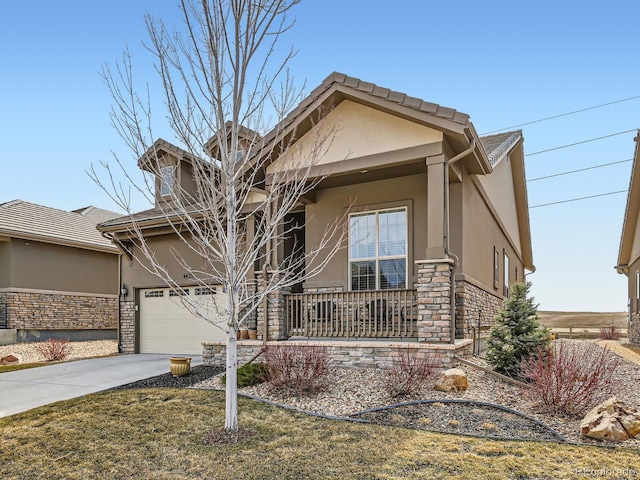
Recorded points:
(634,331)
(71,335)
(474,306)
(53,311)
(359,355)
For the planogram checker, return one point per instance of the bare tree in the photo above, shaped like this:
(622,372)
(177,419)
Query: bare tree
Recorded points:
(220,79)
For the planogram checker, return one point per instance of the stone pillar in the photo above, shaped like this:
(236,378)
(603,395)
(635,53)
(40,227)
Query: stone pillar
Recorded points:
(434,300)
(275,314)
(127,327)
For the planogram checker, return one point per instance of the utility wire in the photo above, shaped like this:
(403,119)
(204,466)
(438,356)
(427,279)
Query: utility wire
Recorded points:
(579,143)
(576,199)
(579,170)
(562,115)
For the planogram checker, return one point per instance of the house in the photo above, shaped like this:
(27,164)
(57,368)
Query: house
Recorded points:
(438,230)
(629,253)
(58,275)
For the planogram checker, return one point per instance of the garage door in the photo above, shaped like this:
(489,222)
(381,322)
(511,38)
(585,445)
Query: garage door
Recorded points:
(166,326)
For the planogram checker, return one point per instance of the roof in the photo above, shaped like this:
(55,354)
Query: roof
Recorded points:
(498,145)
(632,210)
(20,219)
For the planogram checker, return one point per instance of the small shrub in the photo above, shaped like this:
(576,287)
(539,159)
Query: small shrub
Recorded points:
(571,378)
(249,374)
(54,350)
(489,427)
(409,371)
(609,333)
(300,369)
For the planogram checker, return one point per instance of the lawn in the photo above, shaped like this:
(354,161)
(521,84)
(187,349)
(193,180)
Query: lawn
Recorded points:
(158,434)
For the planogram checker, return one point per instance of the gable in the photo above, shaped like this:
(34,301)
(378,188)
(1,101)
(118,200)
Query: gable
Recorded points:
(358,131)
(499,187)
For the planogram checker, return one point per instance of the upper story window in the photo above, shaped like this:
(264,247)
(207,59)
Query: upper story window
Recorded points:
(378,249)
(496,268)
(166,180)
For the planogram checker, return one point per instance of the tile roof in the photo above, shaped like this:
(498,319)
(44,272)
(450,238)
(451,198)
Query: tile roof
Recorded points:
(497,145)
(376,91)
(77,228)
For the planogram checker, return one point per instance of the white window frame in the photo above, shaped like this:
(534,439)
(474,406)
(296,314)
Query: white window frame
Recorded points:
(506,275)
(376,258)
(167,180)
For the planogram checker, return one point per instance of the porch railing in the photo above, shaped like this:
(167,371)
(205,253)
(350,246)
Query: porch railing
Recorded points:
(362,314)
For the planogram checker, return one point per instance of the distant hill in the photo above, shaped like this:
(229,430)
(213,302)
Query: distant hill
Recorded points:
(583,319)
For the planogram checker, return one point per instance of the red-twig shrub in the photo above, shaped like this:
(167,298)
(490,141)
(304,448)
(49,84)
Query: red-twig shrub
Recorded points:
(54,350)
(300,369)
(571,378)
(409,371)
(609,333)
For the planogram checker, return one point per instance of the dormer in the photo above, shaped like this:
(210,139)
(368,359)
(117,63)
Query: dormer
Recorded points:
(172,169)
(247,142)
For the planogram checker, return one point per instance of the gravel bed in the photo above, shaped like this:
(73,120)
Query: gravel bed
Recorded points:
(91,348)
(353,392)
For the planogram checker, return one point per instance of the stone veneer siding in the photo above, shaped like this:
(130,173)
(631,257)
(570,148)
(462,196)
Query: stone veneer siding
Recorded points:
(434,300)
(53,311)
(470,301)
(359,355)
(634,330)
(127,327)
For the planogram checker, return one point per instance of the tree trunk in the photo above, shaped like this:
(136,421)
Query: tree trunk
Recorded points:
(231,391)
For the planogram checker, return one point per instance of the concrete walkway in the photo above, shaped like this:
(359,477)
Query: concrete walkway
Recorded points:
(33,387)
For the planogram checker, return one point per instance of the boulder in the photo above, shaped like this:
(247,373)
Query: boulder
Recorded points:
(611,420)
(454,379)
(10,359)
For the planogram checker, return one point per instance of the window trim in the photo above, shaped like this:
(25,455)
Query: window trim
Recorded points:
(377,258)
(496,268)
(163,180)
(506,267)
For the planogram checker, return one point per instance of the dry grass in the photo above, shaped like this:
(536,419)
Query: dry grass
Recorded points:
(20,366)
(158,434)
(581,320)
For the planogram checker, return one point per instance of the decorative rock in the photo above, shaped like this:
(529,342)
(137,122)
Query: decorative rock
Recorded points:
(10,359)
(451,380)
(611,420)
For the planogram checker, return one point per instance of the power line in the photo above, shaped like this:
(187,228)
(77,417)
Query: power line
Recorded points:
(562,115)
(576,199)
(579,170)
(579,143)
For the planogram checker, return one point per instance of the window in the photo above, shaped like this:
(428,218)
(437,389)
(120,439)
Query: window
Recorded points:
(179,293)
(378,249)
(154,294)
(496,268)
(205,291)
(637,291)
(506,275)
(166,181)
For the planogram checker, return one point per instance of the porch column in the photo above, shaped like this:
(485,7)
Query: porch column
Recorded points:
(435,206)
(272,311)
(434,300)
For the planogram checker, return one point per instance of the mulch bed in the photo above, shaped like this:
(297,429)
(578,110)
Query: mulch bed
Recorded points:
(197,374)
(462,417)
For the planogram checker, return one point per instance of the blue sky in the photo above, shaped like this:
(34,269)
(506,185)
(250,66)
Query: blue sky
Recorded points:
(503,63)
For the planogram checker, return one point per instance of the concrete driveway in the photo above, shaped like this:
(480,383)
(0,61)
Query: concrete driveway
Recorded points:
(33,387)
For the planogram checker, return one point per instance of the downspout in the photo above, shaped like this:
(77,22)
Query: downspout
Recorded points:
(118,310)
(448,253)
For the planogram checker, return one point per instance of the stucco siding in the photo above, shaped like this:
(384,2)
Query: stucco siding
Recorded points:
(481,234)
(499,188)
(355,131)
(44,266)
(5,264)
(331,203)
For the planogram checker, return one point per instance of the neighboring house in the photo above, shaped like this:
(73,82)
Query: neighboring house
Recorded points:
(629,254)
(439,220)
(58,275)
